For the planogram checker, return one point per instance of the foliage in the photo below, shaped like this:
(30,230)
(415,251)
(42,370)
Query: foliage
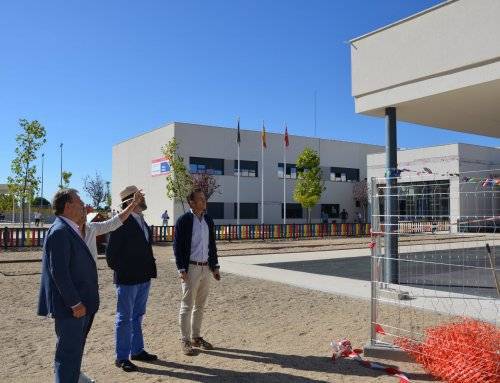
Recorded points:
(37,200)
(179,181)
(360,194)
(23,182)
(6,201)
(66,177)
(205,182)
(108,196)
(309,185)
(95,189)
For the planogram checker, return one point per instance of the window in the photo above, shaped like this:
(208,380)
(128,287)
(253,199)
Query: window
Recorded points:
(215,210)
(291,170)
(247,210)
(331,209)
(248,168)
(293,210)
(213,166)
(344,174)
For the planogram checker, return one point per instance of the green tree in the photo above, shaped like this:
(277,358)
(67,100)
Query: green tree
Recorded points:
(108,196)
(95,189)
(40,202)
(309,185)
(23,182)
(66,178)
(179,181)
(6,202)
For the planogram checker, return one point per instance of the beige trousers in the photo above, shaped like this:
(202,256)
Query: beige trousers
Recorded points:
(194,298)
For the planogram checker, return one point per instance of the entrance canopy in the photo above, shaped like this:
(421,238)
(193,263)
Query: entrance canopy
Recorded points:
(439,68)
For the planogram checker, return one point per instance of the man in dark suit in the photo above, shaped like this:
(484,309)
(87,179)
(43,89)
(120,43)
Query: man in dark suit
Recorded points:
(69,288)
(130,255)
(196,259)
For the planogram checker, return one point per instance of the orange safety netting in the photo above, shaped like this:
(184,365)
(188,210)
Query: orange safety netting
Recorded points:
(461,352)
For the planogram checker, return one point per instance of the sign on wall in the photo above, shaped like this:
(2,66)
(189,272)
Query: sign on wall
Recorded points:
(160,167)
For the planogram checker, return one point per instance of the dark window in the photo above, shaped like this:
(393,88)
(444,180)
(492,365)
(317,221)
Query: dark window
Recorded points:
(293,210)
(248,168)
(344,174)
(291,170)
(215,210)
(247,210)
(358,204)
(331,209)
(213,166)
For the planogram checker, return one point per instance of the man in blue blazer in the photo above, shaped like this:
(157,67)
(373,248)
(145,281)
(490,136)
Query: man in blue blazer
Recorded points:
(69,288)
(196,259)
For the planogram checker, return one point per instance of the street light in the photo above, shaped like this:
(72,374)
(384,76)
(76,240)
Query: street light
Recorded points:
(61,179)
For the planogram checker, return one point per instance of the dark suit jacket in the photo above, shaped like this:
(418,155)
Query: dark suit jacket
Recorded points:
(130,255)
(183,232)
(69,273)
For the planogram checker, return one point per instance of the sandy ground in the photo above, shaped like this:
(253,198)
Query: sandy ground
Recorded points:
(263,332)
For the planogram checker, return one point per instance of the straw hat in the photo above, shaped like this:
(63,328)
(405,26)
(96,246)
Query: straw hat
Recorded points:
(128,191)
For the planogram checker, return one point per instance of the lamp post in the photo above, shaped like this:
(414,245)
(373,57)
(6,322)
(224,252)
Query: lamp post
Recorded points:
(61,176)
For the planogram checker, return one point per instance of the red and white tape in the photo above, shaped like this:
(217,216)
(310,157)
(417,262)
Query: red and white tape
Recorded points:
(343,349)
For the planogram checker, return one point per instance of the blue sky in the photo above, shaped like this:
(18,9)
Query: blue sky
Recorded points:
(97,72)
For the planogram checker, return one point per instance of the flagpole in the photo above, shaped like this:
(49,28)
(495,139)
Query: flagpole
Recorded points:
(238,181)
(262,176)
(284,180)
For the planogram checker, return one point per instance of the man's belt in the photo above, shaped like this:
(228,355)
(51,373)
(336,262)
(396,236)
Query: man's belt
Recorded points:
(198,263)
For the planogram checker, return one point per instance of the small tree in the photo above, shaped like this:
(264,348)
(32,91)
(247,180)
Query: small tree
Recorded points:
(23,182)
(108,196)
(179,181)
(66,177)
(360,195)
(94,187)
(6,202)
(309,185)
(206,182)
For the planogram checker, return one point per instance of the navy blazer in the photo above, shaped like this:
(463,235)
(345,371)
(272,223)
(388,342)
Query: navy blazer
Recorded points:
(69,273)
(130,255)
(183,232)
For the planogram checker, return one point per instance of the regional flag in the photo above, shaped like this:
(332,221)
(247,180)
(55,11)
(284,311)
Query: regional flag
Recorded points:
(238,137)
(287,143)
(264,144)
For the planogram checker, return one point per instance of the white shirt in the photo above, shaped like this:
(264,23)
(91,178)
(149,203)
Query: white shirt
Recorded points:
(72,224)
(199,239)
(140,220)
(93,229)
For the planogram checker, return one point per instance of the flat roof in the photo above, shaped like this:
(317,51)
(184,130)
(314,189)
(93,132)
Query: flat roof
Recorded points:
(401,21)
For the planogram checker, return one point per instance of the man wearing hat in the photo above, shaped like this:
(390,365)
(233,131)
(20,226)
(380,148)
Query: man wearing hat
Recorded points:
(130,255)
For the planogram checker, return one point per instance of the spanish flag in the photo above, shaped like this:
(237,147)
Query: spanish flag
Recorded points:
(264,144)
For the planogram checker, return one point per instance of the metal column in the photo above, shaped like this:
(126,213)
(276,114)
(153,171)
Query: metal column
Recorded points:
(391,198)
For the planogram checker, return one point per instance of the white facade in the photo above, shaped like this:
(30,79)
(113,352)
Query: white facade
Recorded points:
(132,160)
(440,67)
(453,163)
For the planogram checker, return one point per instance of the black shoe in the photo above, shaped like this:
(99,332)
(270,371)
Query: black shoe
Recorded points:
(126,365)
(144,356)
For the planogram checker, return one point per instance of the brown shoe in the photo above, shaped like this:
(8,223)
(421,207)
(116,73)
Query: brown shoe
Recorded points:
(202,343)
(186,347)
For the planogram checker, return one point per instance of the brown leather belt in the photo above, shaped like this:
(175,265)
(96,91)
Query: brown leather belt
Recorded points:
(198,263)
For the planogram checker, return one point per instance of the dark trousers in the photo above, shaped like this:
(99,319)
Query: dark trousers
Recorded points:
(71,334)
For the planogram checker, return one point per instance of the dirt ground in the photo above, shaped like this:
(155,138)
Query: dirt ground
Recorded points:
(262,331)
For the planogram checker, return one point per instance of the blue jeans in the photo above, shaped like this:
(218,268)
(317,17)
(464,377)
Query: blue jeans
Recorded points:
(71,334)
(130,308)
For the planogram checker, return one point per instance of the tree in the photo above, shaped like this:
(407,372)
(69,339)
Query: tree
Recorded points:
(94,187)
(179,181)
(309,185)
(39,201)
(6,202)
(360,195)
(108,196)
(66,176)
(23,182)
(206,182)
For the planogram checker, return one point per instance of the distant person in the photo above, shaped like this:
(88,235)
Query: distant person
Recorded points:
(196,259)
(344,215)
(69,289)
(359,216)
(37,216)
(130,255)
(324,217)
(165,217)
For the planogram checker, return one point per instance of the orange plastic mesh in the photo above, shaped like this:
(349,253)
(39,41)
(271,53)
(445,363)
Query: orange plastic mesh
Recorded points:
(463,352)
